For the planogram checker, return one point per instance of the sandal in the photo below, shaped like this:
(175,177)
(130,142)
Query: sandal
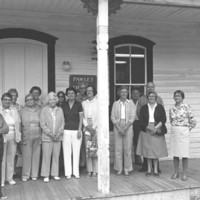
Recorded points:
(148,174)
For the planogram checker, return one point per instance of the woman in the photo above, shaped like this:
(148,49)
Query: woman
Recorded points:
(182,121)
(14,95)
(3,130)
(12,118)
(72,137)
(31,139)
(52,124)
(36,93)
(122,116)
(61,98)
(151,142)
(90,120)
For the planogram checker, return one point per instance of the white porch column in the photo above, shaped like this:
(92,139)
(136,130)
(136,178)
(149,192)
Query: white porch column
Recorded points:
(103,99)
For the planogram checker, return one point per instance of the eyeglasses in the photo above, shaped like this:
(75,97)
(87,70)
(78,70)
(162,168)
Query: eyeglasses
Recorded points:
(29,99)
(7,99)
(61,96)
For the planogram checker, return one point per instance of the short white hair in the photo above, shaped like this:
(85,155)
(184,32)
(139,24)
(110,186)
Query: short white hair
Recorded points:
(51,95)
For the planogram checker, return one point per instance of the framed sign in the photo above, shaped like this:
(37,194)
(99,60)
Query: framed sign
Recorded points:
(77,80)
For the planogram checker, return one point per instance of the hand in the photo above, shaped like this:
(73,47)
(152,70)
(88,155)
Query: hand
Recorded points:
(55,137)
(79,134)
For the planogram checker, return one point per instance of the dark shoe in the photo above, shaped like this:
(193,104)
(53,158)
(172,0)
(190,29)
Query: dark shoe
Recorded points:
(159,171)
(148,174)
(174,176)
(156,175)
(142,169)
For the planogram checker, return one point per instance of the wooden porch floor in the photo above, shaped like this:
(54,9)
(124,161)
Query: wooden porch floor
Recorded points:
(121,186)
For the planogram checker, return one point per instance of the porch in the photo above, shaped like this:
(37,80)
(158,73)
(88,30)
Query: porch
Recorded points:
(137,186)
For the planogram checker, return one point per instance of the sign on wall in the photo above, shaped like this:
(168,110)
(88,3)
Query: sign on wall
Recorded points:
(77,80)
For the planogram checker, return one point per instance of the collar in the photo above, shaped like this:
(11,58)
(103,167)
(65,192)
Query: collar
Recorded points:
(154,105)
(127,101)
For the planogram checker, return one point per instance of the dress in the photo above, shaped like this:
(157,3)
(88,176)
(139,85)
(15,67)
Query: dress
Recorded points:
(151,146)
(182,120)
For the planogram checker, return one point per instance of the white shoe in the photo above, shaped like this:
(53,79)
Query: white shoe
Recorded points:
(46,180)
(2,185)
(12,182)
(68,177)
(3,197)
(34,179)
(77,177)
(24,179)
(56,178)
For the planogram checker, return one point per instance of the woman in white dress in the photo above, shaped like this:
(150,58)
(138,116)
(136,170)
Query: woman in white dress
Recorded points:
(182,122)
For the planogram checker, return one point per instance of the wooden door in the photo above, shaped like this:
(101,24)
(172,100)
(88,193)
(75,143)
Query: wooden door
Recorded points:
(23,64)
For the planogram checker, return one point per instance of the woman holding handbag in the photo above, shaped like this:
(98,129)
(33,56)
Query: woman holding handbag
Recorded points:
(151,142)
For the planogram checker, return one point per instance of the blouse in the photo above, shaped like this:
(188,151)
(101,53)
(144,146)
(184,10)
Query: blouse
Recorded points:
(182,116)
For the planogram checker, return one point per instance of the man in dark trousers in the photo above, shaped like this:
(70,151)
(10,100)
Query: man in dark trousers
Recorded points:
(150,87)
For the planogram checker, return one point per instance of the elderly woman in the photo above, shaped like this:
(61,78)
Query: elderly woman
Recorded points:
(122,116)
(14,95)
(3,130)
(61,98)
(31,139)
(72,138)
(182,121)
(36,93)
(90,120)
(52,124)
(151,142)
(12,118)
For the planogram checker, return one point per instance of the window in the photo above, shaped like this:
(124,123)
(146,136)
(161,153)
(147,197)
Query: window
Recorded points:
(129,67)
(130,64)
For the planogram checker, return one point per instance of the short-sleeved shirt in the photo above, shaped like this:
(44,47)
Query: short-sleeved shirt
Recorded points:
(72,115)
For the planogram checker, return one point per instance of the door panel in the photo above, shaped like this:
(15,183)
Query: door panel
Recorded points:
(23,64)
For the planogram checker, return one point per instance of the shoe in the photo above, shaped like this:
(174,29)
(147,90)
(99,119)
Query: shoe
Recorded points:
(12,182)
(148,174)
(174,176)
(156,175)
(159,171)
(126,173)
(46,180)
(143,169)
(77,177)
(119,172)
(56,178)
(34,179)
(94,174)
(2,185)
(184,178)
(3,197)
(68,177)
(24,179)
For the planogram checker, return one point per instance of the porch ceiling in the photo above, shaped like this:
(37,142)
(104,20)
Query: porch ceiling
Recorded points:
(129,10)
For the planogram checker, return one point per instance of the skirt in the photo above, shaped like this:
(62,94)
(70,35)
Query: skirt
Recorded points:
(180,141)
(151,146)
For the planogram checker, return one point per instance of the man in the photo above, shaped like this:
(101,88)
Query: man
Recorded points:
(135,95)
(141,102)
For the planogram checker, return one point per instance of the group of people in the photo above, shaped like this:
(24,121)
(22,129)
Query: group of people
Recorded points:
(40,128)
(139,124)
(72,123)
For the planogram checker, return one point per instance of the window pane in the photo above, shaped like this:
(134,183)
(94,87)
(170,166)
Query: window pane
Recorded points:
(122,50)
(137,65)
(122,70)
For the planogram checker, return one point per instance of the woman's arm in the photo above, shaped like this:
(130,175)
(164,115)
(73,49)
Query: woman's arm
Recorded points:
(80,125)
(43,125)
(4,127)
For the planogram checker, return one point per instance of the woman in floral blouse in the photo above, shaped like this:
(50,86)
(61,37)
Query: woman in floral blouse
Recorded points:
(182,122)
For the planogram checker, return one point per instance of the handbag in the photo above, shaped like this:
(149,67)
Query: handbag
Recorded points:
(91,148)
(161,130)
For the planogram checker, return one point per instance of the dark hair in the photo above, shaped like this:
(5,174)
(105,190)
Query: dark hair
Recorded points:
(61,92)
(71,89)
(6,95)
(180,92)
(36,88)
(12,90)
(152,93)
(93,88)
